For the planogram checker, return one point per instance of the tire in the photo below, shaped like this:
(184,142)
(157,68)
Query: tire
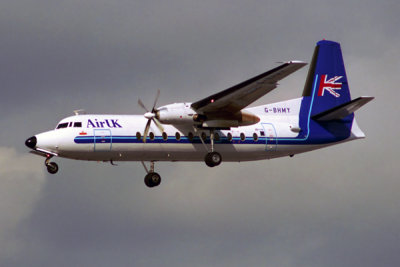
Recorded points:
(152,179)
(52,168)
(213,159)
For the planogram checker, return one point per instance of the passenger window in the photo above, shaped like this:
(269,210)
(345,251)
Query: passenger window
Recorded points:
(242,137)
(164,136)
(217,137)
(178,136)
(229,136)
(77,124)
(62,125)
(190,136)
(255,137)
(203,136)
(138,136)
(151,136)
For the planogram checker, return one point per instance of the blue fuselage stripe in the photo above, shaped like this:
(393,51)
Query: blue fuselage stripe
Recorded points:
(196,140)
(159,139)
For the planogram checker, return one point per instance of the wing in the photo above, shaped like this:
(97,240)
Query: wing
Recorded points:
(236,98)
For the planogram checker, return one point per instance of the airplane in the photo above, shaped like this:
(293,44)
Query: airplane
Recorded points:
(220,127)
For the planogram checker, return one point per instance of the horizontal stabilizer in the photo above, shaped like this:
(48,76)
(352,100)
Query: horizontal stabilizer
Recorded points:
(343,110)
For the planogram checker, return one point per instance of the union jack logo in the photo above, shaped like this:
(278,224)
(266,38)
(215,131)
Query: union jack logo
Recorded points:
(329,85)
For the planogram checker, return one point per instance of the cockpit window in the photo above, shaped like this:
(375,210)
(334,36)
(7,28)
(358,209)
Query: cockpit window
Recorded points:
(78,124)
(62,125)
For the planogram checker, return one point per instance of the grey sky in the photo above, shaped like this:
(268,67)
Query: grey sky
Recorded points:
(334,207)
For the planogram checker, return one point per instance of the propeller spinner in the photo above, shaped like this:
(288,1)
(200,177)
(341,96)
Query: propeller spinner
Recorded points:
(151,116)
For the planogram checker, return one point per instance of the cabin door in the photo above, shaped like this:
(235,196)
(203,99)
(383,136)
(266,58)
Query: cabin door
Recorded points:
(270,134)
(102,140)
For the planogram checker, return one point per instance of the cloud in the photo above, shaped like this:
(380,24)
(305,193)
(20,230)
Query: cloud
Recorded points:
(332,207)
(21,182)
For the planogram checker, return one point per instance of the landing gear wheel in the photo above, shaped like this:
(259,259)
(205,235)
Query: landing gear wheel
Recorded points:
(152,179)
(52,167)
(213,159)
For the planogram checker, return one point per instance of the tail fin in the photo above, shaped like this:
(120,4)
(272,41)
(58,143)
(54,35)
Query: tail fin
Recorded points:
(327,80)
(326,98)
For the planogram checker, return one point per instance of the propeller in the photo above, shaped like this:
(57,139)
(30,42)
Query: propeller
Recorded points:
(151,116)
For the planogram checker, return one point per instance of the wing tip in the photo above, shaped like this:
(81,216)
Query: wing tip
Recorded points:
(297,62)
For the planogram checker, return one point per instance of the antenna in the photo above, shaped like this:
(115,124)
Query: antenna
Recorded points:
(79,112)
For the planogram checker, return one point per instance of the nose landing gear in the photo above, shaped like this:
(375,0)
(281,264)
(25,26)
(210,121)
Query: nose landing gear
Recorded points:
(52,167)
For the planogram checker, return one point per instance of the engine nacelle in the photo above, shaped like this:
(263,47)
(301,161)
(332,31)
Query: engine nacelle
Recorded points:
(182,113)
(178,113)
(241,118)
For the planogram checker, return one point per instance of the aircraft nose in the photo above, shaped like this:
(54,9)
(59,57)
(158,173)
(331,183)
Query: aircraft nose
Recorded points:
(31,142)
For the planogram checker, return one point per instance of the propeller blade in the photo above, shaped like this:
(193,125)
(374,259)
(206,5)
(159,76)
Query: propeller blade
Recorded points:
(153,110)
(151,116)
(146,130)
(159,126)
(142,105)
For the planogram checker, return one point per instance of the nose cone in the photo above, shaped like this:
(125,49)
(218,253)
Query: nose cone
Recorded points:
(31,142)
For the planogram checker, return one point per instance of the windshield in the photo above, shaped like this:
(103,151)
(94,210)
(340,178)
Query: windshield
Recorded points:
(62,125)
(76,124)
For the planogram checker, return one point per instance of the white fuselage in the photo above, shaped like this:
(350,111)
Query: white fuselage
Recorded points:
(119,138)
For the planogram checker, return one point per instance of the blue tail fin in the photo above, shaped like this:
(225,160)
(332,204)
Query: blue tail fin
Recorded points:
(326,88)
(327,78)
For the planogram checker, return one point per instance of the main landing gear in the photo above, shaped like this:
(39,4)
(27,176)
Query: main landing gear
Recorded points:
(212,158)
(152,178)
(52,167)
